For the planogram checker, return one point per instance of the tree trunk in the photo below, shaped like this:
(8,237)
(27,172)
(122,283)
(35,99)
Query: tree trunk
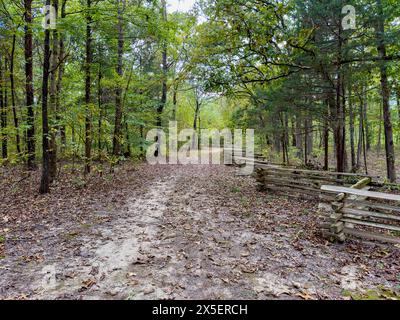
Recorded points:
(164,70)
(326,145)
(310,135)
(398,113)
(53,101)
(293,132)
(163,100)
(366,123)
(196,116)
(389,146)
(88,64)
(45,181)
(14,109)
(100,103)
(30,134)
(175,102)
(3,112)
(299,137)
(360,135)
(285,137)
(117,138)
(61,127)
(379,144)
(351,123)
(308,138)
(340,116)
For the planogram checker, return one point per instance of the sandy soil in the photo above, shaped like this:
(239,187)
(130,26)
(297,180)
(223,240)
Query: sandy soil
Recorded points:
(190,232)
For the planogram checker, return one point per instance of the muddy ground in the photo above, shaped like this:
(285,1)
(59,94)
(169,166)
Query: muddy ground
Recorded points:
(177,232)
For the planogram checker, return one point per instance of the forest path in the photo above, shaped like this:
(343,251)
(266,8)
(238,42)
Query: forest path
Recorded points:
(196,232)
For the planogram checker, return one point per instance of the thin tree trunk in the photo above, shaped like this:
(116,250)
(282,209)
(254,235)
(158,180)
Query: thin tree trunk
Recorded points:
(398,113)
(299,137)
(88,64)
(286,136)
(141,140)
(293,131)
(128,144)
(30,134)
(379,144)
(308,138)
(117,138)
(360,135)
(351,123)
(326,145)
(163,100)
(310,135)
(164,69)
(3,112)
(389,146)
(14,109)
(340,119)
(61,127)
(196,116)
(45,181)
(53,101)
(366,123)
(175,102)
(364,149)
(100,103)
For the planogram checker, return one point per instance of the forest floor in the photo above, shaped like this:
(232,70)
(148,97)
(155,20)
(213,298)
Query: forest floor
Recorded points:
(175,232)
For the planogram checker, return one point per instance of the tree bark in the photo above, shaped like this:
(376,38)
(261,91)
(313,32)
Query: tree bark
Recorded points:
(389,146)
(29,85)
(117,138)
(163,100)
(299,137)
(398,113)
(88,64)
(100,103)
(14,109)
(61,58)
(361,136)
(351,124)
(3,112)
(326,145)
(175,102)
(340,115)
(53,101)
(45,181)
(164,88)
(379,144)
(366,123)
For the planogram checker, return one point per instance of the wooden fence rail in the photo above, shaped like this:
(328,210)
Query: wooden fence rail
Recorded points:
(301,183)
(349,208)
(362,214)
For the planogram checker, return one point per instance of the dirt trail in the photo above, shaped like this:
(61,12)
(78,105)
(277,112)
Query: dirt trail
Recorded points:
(197,232)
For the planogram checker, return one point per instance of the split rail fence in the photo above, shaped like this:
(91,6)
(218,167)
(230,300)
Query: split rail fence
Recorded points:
(347,206)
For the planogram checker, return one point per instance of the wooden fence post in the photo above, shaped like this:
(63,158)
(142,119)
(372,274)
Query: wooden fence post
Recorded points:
(334,228)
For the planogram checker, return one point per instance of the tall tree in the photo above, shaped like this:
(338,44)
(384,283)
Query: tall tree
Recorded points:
(45,181)
(118,91)
(54,63)
(13,104)
(3,111)
(88,80)
(164,88)
(30,135)
(381,46)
